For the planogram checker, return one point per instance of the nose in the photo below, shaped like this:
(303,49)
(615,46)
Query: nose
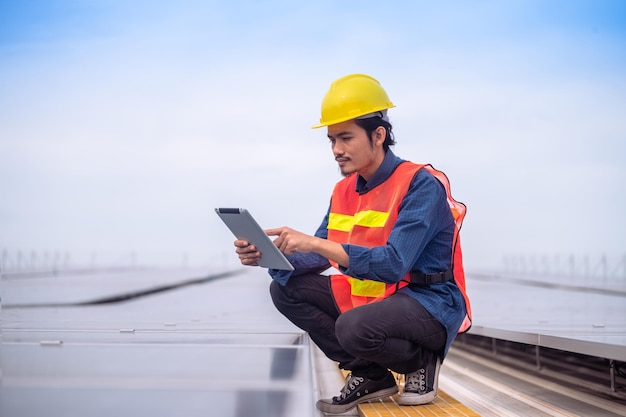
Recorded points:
(337,148)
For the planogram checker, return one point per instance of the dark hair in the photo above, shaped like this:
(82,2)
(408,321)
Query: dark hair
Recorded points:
(371,124)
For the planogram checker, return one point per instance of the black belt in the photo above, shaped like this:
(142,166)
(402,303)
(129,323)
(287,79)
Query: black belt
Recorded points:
(420,278)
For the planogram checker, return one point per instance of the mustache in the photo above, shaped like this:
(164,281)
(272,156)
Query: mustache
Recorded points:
(338,157)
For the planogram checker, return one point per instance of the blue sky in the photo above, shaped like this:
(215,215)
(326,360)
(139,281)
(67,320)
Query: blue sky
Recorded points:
(123,124)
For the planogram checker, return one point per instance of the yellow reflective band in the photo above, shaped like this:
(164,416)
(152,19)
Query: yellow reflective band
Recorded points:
(367,218)
(341,222)
(371,218)
(367,288)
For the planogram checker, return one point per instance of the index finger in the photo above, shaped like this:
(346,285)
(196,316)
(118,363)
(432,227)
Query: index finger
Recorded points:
(274,232)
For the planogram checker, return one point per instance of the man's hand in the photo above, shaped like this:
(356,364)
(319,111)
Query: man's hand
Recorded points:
(248,254)
(290,241)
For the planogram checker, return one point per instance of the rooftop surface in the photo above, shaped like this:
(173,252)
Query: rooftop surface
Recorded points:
(181,342)
(219,345)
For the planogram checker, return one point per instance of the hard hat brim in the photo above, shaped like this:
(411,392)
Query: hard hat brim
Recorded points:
(345,119)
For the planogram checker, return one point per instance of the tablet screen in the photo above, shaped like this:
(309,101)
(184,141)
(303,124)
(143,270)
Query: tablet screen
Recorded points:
(243,226)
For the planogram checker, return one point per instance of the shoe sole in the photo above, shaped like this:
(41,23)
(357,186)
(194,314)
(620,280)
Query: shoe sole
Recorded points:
(410,398)
(342,408)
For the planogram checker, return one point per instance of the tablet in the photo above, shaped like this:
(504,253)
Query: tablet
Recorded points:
(243,226)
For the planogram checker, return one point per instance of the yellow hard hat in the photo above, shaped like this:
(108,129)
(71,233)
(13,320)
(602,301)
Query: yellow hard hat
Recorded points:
(351,97)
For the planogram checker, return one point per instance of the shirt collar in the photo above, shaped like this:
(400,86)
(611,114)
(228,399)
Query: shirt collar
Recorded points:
(386,168)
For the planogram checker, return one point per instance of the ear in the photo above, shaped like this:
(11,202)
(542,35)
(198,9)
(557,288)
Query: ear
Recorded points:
(379,135)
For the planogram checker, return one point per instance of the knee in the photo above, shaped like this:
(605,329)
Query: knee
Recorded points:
(352,334)
(277,292)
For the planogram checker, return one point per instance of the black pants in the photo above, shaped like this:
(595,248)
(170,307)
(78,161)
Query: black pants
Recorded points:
(396,333)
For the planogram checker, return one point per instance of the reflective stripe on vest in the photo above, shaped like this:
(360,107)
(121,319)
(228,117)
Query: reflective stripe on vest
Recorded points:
(368,220)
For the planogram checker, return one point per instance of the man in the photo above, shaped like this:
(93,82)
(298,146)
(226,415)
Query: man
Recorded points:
(397,297)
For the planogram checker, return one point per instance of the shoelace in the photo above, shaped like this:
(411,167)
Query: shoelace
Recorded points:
(416,381)
(351,383)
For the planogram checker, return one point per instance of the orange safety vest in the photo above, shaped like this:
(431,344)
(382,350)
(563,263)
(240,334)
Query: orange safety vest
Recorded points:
(367,220)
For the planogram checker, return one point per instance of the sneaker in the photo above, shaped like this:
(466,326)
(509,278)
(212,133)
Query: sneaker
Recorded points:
(420,387)
(358,390)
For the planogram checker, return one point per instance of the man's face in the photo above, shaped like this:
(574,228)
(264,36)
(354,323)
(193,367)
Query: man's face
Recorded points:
(353,150)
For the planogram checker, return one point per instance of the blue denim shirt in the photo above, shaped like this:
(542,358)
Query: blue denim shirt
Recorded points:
(421,240)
